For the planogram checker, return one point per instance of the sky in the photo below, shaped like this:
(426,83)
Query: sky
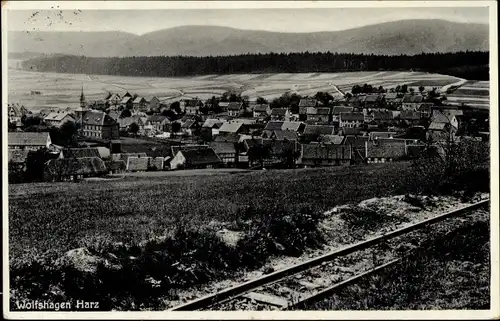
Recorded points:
(281,20)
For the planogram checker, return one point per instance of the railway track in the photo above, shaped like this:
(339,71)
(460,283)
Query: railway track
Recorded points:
(310,281)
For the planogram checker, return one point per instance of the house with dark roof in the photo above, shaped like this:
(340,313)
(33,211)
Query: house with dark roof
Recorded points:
(331,139)
(308,102)
(313,132)
(350,131)
(319,115)
(140,103)
(410,117)
(154,104)
(412,102)
(373,101)
(71,168)
(195,158)
(79,152)
(226,152)
(156,122)
(284,134)
(234,108)
(127,102)
(58,118)
(377,135)
(280,114)
(192,106)
(384,150)
(210,128)
(295,126)
(354,119)
(261,110)
(382,117)
(28,140)
(190,127)
(100,125)
(325,155)
(339,109)
(124,123)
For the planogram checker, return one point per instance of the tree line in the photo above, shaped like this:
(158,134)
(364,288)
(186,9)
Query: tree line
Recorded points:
(468,64)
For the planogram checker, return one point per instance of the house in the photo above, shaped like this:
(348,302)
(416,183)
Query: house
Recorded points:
(277,150)
(58,118)
(234,108)
(28,140)
(156,122)
(384,150)
(233,128)
(113,100)
(127,102)
(137,164)
(280,114)
(195,158)
(192,106)
(442,127)
(124,123)
(16,112)
(308,102)
(100,125)
(226,152)
(337,110)
(210,128)
(410,117)
(354,119)
(71,168)
(325,155)
(313,132)
(373,101)
(189,127)
(295,126)
(412,102)
(377,135)
(284,134)
(140,103)
(383,117)
(223,105)
(350,131)
(261,110)
(318,115)
(154,104)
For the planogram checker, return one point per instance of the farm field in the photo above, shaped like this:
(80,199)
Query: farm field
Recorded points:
(472,93)
(62,216)
(63,90)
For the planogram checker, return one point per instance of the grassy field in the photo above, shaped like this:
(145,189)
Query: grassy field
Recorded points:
(61,216)
(63,90)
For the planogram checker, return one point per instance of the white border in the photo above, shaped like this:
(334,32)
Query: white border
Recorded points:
(494,312)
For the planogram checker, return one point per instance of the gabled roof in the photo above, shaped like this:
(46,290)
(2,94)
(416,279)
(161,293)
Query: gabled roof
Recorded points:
(193,103)
(200,156)
(274,125)
(352,116)
(437,126)
(279,111)
(127,121)
(412,99)
(319,130)
(351,131)
(329,151)
(232,127)
(338,110)
(57,116)
(223,147)
(189,124)
(308,102)
(391,96)
(138,99)
(291,125)
(375,135)
(80,152)
(27,139)
(75,166)
(234,105)
(212,123)
(318,111)
(97,118)
(232,137)
(286,134)
(439,117)
(372,98)
(175,149)
(223,104)
(126,99)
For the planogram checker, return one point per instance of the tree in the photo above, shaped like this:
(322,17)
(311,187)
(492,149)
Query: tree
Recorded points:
(261,100)
(133,128)
(169,113)
(125,113)
(323,97)
(12,126)
(31,121)
(258,152)
(356,89)
(412,90)
(348,95)
(176,106)
(176,127)
(289,156)
(68,132)
(421,89)
(404,88)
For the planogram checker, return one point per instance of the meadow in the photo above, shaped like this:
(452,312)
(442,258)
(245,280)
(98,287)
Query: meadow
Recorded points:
(61,216)
(472,93)
(63,90)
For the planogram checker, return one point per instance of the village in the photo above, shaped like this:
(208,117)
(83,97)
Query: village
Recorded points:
(365,125)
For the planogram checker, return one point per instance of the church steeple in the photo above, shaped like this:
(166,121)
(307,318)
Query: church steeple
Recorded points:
(82,100)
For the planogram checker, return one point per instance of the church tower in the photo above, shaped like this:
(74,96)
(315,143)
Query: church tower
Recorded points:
(82,100)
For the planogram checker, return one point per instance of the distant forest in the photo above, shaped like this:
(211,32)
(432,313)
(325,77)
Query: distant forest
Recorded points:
(472,65)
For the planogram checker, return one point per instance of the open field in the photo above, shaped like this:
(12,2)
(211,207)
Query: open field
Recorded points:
(59,216)
(472,93)
(63,90)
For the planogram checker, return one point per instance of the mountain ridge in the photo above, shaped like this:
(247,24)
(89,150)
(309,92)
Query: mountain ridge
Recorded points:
(389,38)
